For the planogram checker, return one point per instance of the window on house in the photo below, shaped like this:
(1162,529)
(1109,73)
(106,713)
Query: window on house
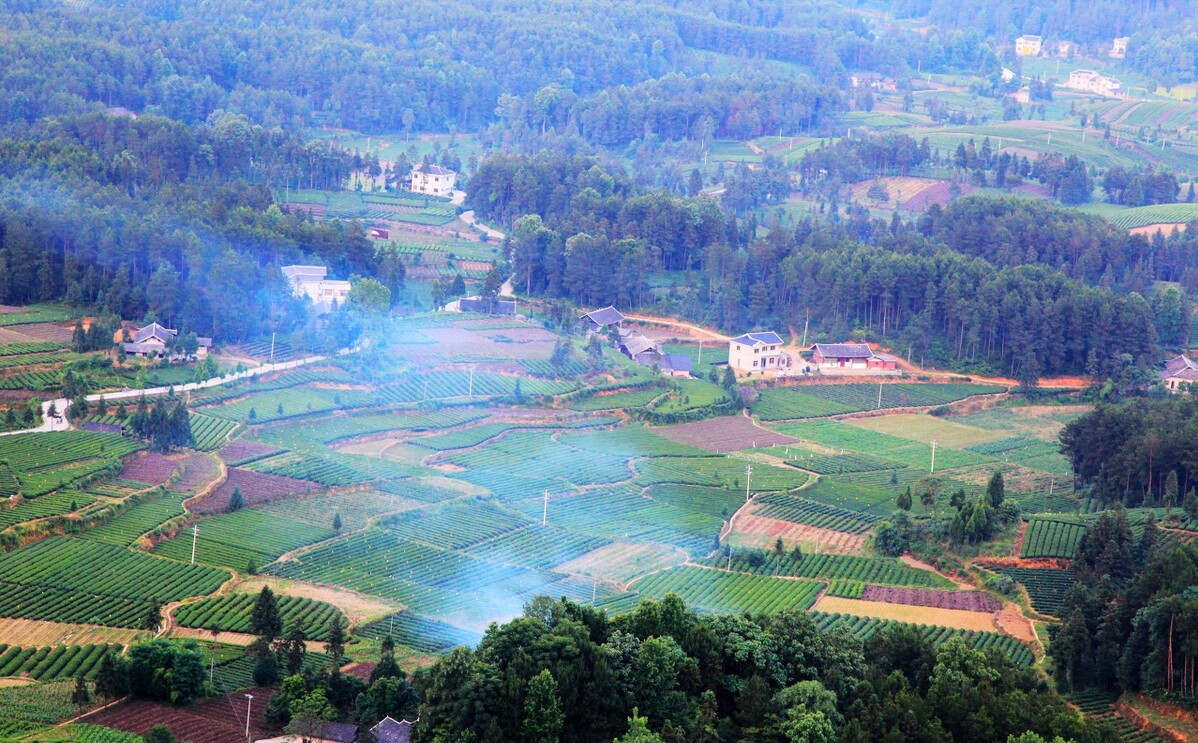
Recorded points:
(754,362)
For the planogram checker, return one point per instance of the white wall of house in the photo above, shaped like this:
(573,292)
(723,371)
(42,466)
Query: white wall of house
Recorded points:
(756,358)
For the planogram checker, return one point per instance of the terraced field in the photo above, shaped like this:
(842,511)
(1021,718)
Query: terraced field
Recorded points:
(237,540)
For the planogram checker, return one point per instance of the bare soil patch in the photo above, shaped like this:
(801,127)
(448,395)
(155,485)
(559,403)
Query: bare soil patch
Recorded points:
(31,633)
(357,607)
(974,620)
(256,487)
(48,331)
(1165,228)
(730,433)
(217,720)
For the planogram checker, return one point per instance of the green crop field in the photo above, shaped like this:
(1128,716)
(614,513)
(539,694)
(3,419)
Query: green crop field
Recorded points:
(1045,587)
(231,613)
(822,400)
(692,394)
(48,664)
(419,633)
(1052,536)
(236,540)
(803,511)
(208,433)
(876,570)
(730,593)
(71,580)
(141,519)
(1158,214)
(865,627)
(43,462)
(57,504)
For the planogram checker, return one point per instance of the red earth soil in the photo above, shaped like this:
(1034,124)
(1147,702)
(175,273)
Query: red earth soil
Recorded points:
(152,469)
(255,487)
(218,720)
(244,451)
(198,471)
(731,433)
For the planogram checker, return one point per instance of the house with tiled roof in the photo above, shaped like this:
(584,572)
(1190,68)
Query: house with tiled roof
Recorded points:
(851,356)
(757,352)
(155,339)
(1179,372)
(391,730)
(600,320)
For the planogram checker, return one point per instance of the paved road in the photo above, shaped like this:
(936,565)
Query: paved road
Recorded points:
(490,232)
(58,423)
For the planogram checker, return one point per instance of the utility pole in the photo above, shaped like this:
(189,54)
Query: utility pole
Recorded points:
(195,534)
(805,321)
(471,394)
(594,588)
(272,347)
(933,469)
(748,478)
(545,509)
(879,396)
(248,707)
(700,354)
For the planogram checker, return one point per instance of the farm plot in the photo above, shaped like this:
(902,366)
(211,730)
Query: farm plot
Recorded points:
(151,469)
(329,468)
(960,600)
(43,462)
(128,527)
(865,627)
(1046,588)
(799,510)
(719,502)
(354,425)
(623,561)
(446,385)
(621,511)
(37,703)
(232,614)
(927,428)
(355,509)
(255,487)
(729,433)
(24,348)
(832,464)
(198,471)
(716,472)
(1143,216)
(821,400)
(1054,536)
(730,593)
(752,530)
(237,540)
(72,580)
(243,452)
(883,570)
(280,404)
(206,721)
(711,355)
(56,504)
(428,580)
(537,546)
(959,619)
(637,398)
(457,525)
(693,394)
(419,633)
(841,437)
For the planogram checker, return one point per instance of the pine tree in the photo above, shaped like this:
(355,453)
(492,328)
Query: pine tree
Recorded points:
(264,618)
(152,619)
(996,490)
(236,500)
(387,666)
(112,677)
(904,500)
(336,522)
(295,647)
(335,645)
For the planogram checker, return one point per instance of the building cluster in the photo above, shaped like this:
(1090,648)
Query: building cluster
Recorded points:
(1030,45)
(388,731)
(1092,82)
(636,346)
(313,282)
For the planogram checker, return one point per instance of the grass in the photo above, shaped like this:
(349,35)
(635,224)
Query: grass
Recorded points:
(927,429)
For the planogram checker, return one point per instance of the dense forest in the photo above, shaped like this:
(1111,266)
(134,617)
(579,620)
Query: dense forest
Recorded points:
(1023,288)
(664,674)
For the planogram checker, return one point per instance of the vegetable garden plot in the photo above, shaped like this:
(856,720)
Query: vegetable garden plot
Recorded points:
(1046,588)
(866,627)
(56,504)
(882,570)
(128,527)
(232,614)
(799,510)
(730,593)
(235,539)
(961,600)
(1052,536)
(419,633)
(38,703)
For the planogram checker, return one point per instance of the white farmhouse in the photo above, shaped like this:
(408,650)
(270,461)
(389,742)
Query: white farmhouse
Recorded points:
(1028,45)
(311,282)
(433,180)
(1092,82)
(757,352)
